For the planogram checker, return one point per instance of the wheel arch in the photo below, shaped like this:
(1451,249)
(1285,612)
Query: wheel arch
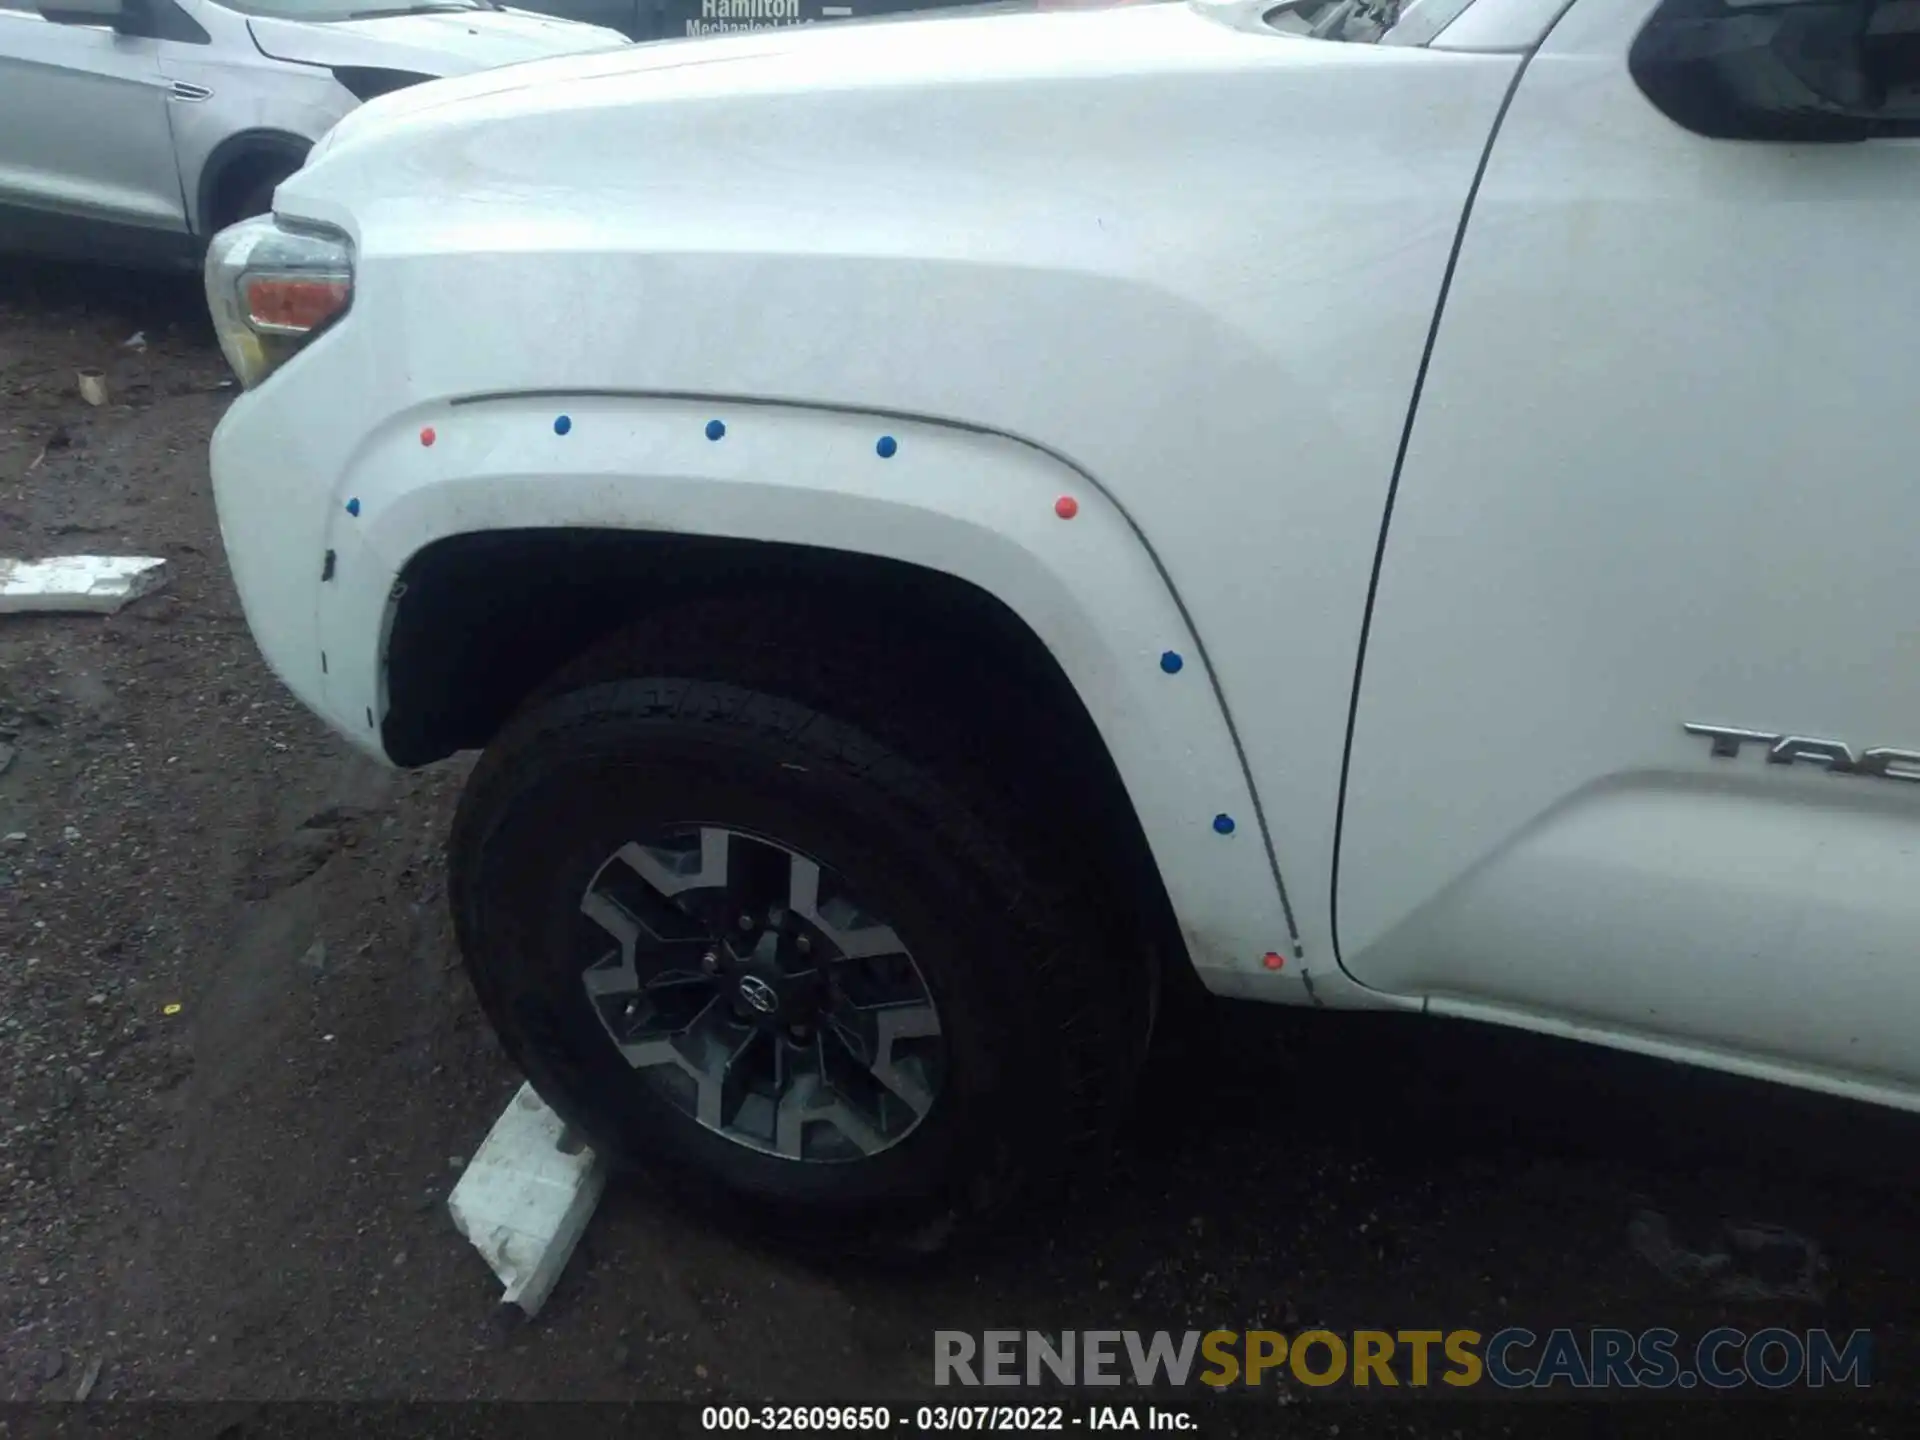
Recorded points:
(449,501)
(239,154)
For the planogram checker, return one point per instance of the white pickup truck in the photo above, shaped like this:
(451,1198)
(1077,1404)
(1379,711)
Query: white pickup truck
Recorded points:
(941,526)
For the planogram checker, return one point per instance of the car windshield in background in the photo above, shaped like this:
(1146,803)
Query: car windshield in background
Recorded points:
(328,10)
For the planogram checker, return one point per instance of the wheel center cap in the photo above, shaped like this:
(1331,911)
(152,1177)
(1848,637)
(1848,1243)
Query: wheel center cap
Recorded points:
(759,995)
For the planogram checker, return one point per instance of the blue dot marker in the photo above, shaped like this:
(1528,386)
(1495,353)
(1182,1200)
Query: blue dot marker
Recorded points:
(353,506)
(562,424)
(887,447)
(1171,662)
(715,429)
(1223,824)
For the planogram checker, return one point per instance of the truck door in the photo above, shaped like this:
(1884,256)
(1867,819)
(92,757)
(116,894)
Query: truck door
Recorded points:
(1633,743)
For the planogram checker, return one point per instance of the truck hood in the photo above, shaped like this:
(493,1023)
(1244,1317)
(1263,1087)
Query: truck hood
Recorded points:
(441,44)
(901,50)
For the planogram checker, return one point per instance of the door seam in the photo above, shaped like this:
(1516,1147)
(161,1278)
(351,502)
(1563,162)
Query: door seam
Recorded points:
(1393,491)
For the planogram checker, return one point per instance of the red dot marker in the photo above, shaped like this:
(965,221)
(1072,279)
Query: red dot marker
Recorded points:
(1274,960)
(427,437)
(1066,507)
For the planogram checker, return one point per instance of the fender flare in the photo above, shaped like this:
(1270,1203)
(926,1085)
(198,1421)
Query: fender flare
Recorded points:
(242,145)
(984,507)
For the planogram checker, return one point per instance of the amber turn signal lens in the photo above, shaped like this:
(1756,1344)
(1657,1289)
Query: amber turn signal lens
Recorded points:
(294,305)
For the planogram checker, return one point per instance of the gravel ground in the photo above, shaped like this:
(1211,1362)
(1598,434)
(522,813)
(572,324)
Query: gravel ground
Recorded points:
(239,1069)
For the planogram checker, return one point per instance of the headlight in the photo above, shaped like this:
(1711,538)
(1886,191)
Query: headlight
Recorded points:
(272,289)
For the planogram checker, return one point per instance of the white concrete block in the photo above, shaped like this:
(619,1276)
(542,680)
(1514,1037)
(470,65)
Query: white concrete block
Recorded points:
(86,584)
(524,1202)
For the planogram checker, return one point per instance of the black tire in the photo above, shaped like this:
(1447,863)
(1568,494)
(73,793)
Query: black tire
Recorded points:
(1041,1008)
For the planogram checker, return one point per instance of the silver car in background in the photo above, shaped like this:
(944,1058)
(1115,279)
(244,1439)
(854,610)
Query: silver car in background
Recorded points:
(132,130)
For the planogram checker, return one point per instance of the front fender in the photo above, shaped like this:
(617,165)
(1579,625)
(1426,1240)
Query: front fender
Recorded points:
(979,506)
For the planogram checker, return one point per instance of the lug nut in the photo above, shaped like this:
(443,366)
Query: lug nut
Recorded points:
(803,944)
(746,922)
(710,962)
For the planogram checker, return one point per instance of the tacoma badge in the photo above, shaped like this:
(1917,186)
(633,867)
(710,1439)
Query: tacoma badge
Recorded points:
(1883,761)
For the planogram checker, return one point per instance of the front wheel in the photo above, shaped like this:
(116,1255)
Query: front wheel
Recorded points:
(747,948)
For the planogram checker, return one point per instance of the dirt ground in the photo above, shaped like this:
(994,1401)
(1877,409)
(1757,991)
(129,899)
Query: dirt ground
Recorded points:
(243,1197)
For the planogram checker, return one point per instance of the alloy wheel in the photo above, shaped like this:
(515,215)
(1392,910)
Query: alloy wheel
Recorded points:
(745,981)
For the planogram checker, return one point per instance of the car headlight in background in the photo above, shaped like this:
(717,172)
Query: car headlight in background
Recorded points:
(272,288)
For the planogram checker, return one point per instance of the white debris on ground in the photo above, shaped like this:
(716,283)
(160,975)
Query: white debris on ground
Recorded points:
(524,1202)
(77,584)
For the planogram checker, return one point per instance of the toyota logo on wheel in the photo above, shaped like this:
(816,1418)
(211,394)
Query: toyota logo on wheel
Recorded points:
(759,994)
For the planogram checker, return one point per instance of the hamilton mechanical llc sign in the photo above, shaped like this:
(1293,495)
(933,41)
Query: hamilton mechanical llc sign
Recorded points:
(719,16)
